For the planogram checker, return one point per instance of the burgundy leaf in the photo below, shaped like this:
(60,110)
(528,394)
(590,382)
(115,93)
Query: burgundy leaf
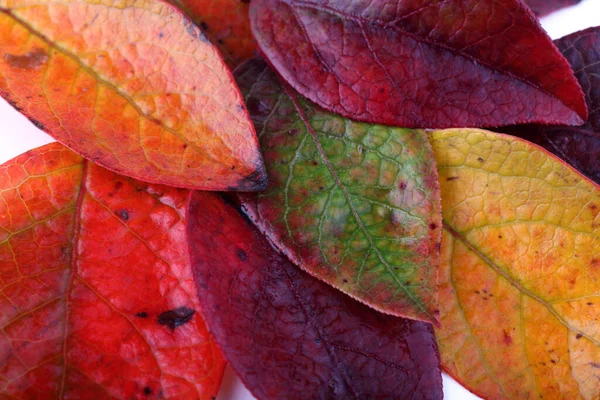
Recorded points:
(420,63)
(579,146)
(544,7)
(290,336)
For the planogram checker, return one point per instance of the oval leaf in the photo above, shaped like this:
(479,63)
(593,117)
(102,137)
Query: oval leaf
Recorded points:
(420,63)
(356,205)
(520,269)
(132,86)
(290,336)
(579,146)
(226,24)
(98,296)
(544,7)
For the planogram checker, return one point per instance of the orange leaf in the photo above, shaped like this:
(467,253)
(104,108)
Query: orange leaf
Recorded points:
(131,85)
(520,269)
(226,24)
(97,293)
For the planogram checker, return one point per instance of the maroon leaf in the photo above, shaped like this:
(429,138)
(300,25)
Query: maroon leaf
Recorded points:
(291,336)
(420,63)
(544,7)
(579,146)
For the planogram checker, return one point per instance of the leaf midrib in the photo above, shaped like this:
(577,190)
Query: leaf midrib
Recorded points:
(355,214)
(488,261)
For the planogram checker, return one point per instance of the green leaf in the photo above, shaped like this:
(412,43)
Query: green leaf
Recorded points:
(356,205)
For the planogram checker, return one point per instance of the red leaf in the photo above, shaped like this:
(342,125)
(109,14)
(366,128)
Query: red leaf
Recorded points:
(133,86)
(544,7)
(98,299)
(420,63)
(290,336)
(579,146)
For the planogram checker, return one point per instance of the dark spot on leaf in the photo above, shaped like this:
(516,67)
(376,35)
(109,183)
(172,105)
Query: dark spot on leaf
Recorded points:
(402,185)
(589,303)
(220,41)
(345,280)
(480,159)
(477,292)
(317,340)
(176,317)
(595,365)
(147,390)
(160,34)
(124,215)
(578,336)
(452,178)
(242,255)
(432,226)
(553,361)
(32,60)
(499,236)
(142,314)
(204,26)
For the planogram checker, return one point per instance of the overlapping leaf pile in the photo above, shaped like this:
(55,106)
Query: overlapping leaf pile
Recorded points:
(376,253)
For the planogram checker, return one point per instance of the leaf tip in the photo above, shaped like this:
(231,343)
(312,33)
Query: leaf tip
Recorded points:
(254,182)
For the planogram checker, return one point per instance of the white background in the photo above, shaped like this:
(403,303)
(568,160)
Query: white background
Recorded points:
(18,135)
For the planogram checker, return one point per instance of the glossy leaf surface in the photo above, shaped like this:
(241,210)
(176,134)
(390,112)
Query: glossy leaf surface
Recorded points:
(290,336)
(226,24)
(423,63)
(94,276)
(520,269)
(544,7)
(579,146)
(354,204)
(131,85)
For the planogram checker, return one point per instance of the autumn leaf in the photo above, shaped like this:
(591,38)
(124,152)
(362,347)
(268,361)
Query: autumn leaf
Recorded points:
(520,269)
(131,85)
(98,299)
(544,7)
(354,204)
(579,146)
(226,24)
(290,336)
(420,63)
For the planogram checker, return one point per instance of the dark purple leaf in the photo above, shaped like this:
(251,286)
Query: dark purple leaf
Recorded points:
(290,336)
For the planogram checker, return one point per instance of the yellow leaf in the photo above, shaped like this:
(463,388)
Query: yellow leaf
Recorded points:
(520,269)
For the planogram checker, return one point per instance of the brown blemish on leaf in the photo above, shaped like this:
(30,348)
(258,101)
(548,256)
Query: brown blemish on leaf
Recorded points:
(176,317)
(452,178)
(124,214)
(32,60)
(506,337)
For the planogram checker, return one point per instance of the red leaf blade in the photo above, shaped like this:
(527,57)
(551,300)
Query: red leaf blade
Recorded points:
(420,63)
(90,261)
(291,336)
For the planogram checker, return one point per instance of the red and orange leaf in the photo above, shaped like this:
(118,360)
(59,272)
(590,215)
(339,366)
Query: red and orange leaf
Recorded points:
(579,146)
(97,298)
(543,7)
(520,269)
(420,63)
(226,24)
(290,336)
(131,85)
(356,205)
